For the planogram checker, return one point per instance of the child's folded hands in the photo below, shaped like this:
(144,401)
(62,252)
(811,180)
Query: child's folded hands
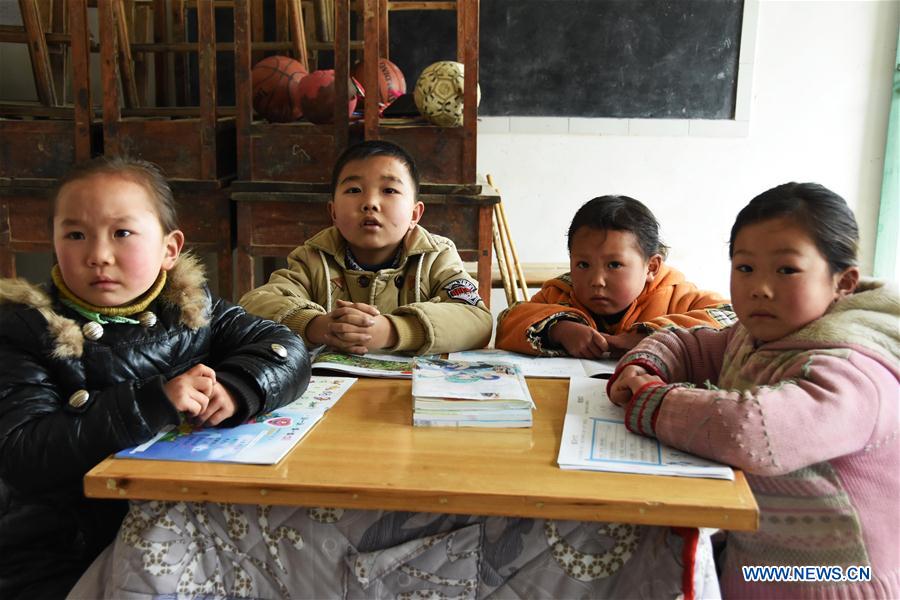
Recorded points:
(354,327)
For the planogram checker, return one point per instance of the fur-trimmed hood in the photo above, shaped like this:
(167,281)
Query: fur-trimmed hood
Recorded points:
(868,318)
(185,289)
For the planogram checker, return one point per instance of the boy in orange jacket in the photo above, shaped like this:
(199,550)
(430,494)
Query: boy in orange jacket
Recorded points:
(618,289)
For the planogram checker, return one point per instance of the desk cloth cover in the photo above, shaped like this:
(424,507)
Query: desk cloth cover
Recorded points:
(209,550)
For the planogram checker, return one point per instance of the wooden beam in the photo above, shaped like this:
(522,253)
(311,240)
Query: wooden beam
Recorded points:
(298,33)
(206,25)
(243,98)
(126,62)
(37,49)
(81,78)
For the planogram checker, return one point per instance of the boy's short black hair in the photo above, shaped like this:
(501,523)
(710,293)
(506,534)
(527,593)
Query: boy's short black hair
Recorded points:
(370,148)
(620,213)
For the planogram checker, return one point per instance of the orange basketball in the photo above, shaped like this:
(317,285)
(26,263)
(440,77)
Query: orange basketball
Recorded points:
(276,88)
(391,83)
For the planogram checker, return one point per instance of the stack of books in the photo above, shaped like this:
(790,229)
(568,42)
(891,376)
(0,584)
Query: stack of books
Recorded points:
(457,393)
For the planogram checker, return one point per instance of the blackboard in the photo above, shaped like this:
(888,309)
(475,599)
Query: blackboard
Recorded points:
(670,59)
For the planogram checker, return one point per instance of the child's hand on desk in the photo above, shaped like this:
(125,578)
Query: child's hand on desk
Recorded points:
(622,343)
(578,340)
(221,406)
(629,381)
(190,391)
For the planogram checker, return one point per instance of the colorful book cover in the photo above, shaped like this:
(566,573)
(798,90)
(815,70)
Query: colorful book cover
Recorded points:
(263,440)
(435,378)
(365,365)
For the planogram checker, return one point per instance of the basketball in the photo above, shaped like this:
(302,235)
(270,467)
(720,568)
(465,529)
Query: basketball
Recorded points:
(317,96)
(391,82)
(276,88)
(439,93)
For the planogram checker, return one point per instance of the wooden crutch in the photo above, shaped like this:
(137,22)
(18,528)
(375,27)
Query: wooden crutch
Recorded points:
(512,256)
(509,290)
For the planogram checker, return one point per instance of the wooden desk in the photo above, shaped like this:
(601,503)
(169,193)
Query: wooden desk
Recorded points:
(365,454)
(273,218)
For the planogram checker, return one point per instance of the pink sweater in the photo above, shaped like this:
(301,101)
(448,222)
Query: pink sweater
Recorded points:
(812,419)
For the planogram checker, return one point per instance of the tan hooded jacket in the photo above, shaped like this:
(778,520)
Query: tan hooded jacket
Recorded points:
(429,297)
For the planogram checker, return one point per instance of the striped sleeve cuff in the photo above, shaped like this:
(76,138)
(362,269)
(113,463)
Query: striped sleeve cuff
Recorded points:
(538,334)
(645,360)
(298,321)
(641,412)
(411,334)
(649,361)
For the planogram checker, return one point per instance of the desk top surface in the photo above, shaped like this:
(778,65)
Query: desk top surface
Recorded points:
(365,454)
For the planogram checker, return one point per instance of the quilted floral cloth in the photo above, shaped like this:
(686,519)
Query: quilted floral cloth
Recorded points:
(207,550)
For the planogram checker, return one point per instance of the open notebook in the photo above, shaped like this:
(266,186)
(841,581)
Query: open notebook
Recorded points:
(595,438)
(543,366)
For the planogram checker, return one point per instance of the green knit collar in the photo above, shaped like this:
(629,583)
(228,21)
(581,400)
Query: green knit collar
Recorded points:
(106,314)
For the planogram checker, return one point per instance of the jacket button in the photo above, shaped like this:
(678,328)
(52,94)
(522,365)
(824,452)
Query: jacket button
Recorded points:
(147,319)
(92,330)
(398,280)
(79,399)
(279,350)
(363,281)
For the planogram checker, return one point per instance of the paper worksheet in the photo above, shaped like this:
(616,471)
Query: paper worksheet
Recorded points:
(595,438)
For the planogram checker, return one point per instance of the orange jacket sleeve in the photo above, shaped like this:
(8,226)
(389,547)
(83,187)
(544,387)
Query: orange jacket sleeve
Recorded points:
(681,305)
(521,328)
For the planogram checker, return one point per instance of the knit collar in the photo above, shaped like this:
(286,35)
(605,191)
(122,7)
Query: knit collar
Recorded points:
(81,306)
(355,265)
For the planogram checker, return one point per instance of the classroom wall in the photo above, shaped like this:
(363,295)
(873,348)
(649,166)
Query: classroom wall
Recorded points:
(821,92)
(821,85)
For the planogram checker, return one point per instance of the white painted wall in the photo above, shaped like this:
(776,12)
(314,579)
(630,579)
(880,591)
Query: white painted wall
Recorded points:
(820,98)
(821,81)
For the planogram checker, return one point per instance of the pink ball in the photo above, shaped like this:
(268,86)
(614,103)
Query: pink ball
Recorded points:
(317,96)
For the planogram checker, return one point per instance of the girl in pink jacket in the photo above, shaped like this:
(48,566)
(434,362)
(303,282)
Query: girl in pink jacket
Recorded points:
(802,394)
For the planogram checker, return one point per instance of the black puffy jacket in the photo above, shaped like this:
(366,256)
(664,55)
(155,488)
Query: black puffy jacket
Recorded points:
(49,532)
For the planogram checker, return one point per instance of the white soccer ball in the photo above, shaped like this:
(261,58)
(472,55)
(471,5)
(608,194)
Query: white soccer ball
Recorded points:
(439,93)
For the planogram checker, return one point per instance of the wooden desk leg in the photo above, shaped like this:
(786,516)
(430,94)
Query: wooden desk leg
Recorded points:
(7,256)
(485,223)
(243,274)
(223,256)
(226,281)
(7,263)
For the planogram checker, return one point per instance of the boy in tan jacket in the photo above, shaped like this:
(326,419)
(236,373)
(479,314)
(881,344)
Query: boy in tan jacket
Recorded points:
(376,279)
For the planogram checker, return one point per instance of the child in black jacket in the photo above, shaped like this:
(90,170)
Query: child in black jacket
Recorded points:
(125,341)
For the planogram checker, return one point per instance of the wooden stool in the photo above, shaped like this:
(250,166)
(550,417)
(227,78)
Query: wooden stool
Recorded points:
(40,141)
(193,145)
(443,154)
(296,151)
